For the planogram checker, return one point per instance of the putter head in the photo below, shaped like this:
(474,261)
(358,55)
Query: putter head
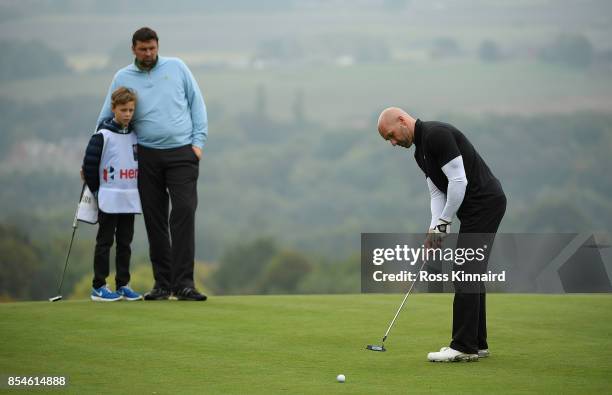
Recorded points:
(55,298)
(376,348)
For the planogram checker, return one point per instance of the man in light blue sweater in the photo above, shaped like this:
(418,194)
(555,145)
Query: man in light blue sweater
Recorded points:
(171,124)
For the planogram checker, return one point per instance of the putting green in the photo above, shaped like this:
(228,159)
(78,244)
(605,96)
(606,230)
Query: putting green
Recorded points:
(299,344)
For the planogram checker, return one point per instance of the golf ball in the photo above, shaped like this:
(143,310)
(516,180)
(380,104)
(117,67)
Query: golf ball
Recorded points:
(341,378)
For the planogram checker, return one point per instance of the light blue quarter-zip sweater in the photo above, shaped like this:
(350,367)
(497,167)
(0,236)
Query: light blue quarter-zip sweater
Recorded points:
(170,111)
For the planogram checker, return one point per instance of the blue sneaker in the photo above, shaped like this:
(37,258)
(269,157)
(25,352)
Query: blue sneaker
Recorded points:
(103,294)
(128,293)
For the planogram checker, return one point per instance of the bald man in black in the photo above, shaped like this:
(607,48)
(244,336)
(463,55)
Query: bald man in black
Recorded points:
(460,183)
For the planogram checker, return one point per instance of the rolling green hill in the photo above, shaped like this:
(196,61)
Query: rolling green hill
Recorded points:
(339,96)
(293,91)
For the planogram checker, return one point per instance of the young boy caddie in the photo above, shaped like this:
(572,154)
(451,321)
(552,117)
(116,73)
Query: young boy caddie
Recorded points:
(110,170)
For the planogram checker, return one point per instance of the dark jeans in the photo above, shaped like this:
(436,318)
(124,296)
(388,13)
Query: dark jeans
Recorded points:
(469,305)
(169,176)
(121,228)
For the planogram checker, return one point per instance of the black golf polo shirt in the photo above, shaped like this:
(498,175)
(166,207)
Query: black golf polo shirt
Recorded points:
(436,144)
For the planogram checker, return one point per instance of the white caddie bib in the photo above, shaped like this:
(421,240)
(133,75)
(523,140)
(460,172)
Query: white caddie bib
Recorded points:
(119,174)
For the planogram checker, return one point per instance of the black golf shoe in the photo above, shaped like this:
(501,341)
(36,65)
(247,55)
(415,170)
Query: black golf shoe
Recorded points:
(157,294)
(190,293)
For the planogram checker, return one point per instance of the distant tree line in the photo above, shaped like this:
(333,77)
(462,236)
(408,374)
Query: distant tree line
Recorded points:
(310,188)
(571,50)
(262,267)
(31,270)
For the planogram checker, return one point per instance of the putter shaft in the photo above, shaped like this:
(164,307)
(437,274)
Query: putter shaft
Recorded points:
(400,307)
(75,225)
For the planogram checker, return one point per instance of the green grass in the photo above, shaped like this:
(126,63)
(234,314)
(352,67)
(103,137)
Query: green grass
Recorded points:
(298,344)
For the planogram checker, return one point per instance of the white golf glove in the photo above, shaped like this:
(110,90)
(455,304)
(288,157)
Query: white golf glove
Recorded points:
(442,228)
(438,233)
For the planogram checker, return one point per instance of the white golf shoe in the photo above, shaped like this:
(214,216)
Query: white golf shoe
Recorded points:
(483,353)
(447,354)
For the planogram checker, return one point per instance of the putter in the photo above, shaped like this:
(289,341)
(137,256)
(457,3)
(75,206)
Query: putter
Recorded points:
(381,348)
(74,228)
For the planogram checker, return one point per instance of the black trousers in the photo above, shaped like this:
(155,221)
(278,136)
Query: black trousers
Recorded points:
(469,305)
(121,228)
(169,176)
